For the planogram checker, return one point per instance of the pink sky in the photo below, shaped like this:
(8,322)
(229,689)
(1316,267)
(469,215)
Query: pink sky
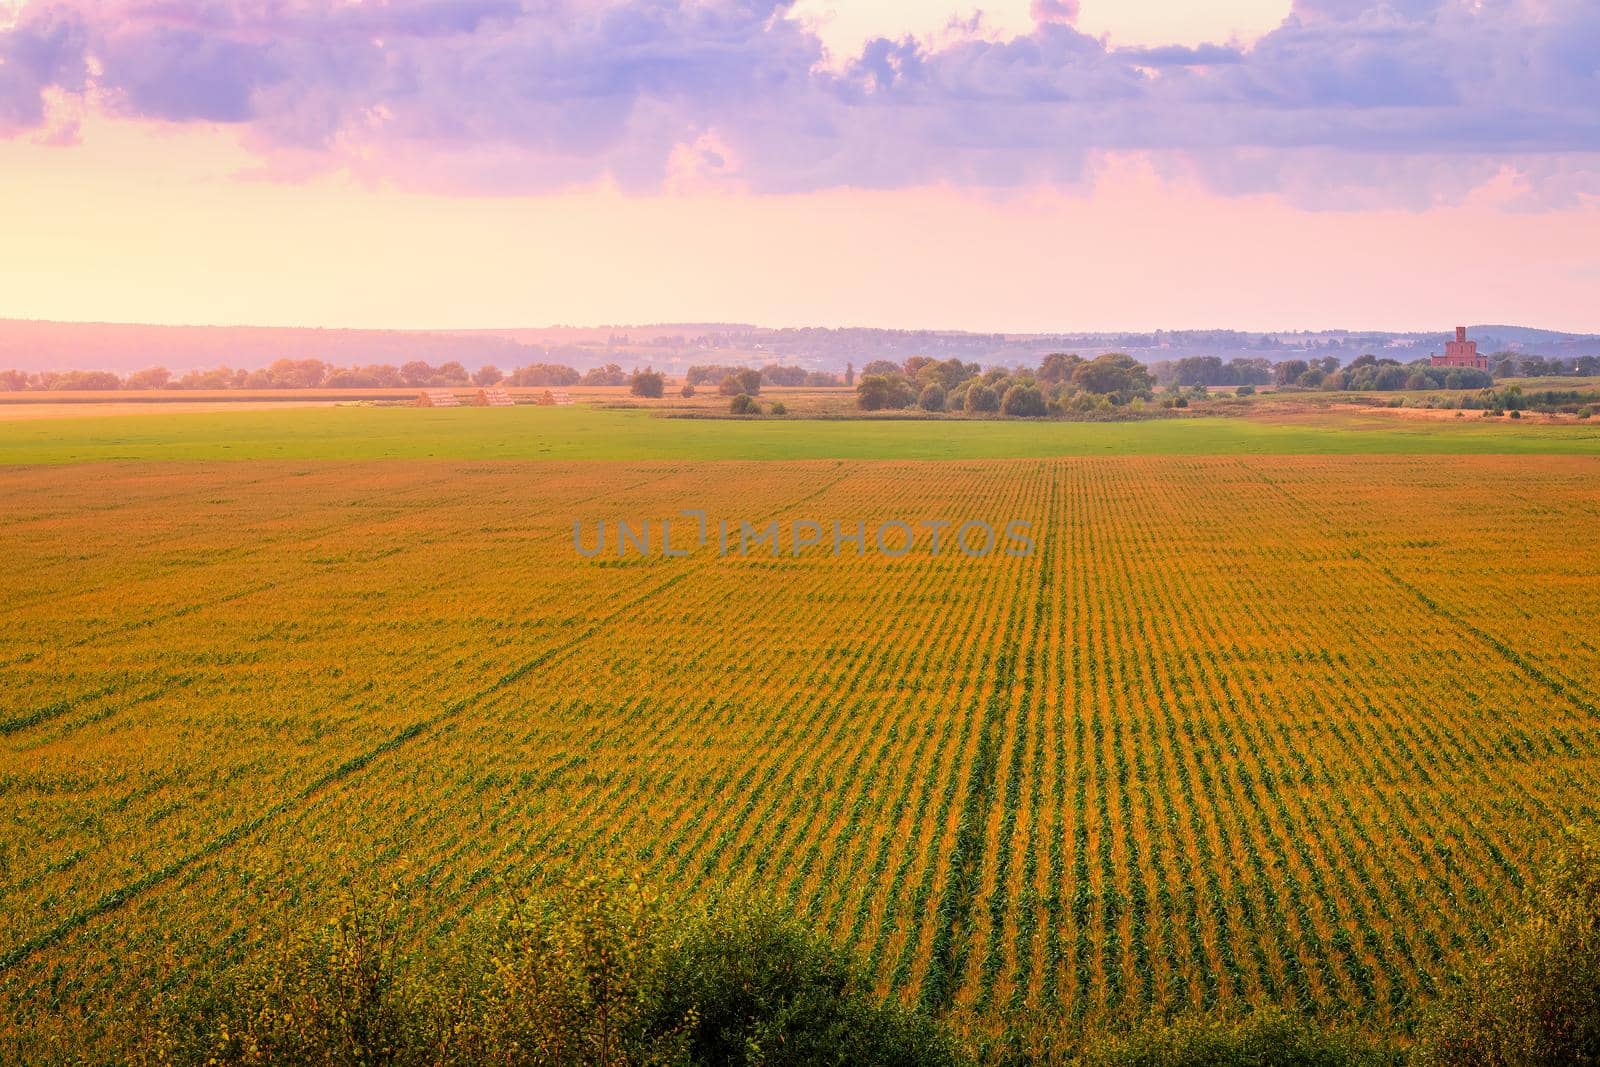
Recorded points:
(115,216)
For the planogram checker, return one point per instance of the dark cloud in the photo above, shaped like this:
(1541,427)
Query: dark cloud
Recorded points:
(497,95)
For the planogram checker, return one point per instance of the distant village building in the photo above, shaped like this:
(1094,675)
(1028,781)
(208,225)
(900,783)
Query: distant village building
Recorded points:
(1461,353)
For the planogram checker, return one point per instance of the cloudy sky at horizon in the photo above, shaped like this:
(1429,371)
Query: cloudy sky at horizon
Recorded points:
(1046,164)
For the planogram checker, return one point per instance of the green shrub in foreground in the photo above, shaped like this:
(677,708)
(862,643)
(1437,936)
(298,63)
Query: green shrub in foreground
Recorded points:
(1537,1001)
(757,988)
(596,971)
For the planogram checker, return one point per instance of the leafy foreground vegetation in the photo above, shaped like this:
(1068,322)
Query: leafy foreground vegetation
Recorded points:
(600,971)
(597,971)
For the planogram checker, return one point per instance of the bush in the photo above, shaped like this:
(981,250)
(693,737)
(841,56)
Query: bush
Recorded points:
(1023,401)
(881,392)
(328,995)
(1586,412)
(742,380)
(758,988)
(595,970)
(779,408)
(1263,1038)
(647,383)
(982,400)
(1537,1001)
(932,398)
(745,404)
(687,391)
(1245,390)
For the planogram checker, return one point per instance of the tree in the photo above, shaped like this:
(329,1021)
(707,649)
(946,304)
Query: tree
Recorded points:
(687,391)
(84,380)
(1114,374)
(849,375)
(702,374)
(1023,401)
(880,392)
(296,373)
(932,398)
(1057,367)
(417,373)
(1391,378)
(776,374)
(981,400)
(545,374)
(1246,371)
(1200,370)
(1289,371)
(153,378)
(745,404)
(610,374)
(648,383)
(950,373)
(487,375)
(742,380)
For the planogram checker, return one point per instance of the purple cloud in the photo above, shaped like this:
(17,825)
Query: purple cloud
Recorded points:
(497,95)
(45,49)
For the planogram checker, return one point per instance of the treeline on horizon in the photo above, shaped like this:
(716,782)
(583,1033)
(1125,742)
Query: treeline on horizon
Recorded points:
(1066,384)
(1366,373)
(416,374)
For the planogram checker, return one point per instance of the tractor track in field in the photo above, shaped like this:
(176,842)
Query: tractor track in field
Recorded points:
(133,625)
(1546,677)
(116,898)
(119,897)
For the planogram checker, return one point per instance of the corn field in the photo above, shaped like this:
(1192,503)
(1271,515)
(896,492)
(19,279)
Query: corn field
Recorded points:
(1242,729)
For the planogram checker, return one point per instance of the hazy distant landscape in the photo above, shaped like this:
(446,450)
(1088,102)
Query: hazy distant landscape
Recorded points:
(41,346)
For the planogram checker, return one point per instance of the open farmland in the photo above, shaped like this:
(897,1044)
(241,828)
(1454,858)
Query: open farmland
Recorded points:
(582,433)
(1243,729)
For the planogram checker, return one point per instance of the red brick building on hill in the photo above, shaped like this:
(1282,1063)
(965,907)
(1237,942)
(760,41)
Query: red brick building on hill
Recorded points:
(1461,353)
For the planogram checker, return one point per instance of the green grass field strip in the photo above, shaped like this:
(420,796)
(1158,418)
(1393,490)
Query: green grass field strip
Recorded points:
(588,433)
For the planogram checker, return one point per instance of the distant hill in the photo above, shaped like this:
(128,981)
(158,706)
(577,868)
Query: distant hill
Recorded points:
(1535,341)
(37,346)
(1528,334)
(44,346)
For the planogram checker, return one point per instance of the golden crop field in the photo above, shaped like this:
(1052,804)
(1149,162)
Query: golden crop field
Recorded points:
(1282,729)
